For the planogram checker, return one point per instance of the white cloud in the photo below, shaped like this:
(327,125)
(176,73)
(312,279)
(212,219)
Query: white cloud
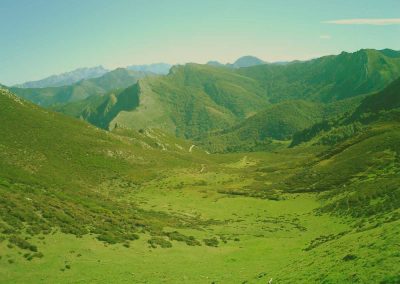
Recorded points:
(326,37)
(374,22)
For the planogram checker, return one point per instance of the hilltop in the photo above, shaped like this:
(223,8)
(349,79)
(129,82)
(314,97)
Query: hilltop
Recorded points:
(244,61)
(247,61)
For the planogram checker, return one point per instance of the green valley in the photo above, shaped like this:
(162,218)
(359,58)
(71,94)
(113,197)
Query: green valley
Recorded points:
(80,204)
(199,142)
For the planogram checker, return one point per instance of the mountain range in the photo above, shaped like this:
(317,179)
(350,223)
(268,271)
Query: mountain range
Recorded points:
(67,78)
(194,100)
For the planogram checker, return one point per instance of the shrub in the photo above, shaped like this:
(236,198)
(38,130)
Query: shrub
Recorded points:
(213,242)
(108,238)
(132,236)
(158,241)
(349,257)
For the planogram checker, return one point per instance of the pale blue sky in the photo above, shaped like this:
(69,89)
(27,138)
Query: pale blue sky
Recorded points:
(43,37)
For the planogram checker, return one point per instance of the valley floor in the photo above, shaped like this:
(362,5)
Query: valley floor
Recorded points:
(261,236)
(242,239)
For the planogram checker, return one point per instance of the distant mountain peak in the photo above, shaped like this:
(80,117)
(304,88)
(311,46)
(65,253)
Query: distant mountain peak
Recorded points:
(155,68)
(244,61)
(247,61)
(390,52)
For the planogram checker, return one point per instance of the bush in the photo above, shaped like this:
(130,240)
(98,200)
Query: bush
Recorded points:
(213,242)
(157,241)
(349,257)
(132,236)
(108,238)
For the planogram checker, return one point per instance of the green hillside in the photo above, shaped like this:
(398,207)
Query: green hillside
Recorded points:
(119,78)
(361,166)
(328,78)
(58,173)
(276,122)
(381,106)
(193,99)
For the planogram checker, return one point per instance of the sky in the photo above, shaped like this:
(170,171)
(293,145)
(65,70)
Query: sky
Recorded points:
(39,38)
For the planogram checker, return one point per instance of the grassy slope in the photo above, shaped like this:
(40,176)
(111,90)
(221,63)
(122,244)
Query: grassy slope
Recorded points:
(119,78)
(53,168)
(356,178)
